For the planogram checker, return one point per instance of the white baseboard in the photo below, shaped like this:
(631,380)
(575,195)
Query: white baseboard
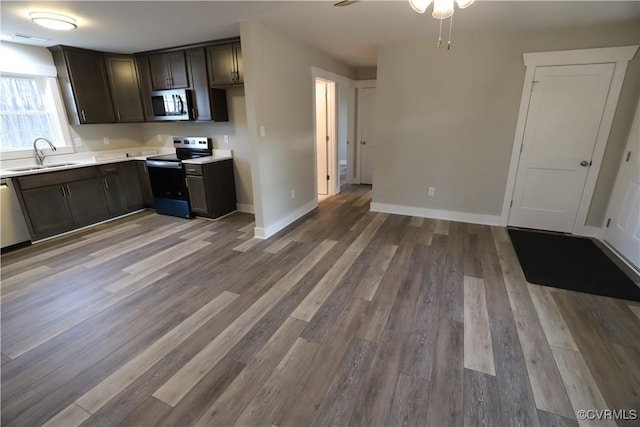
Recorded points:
(245,207)
(266,232)
(437,214)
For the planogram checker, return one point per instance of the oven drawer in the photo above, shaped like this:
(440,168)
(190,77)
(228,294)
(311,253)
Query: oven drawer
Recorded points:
(193,169)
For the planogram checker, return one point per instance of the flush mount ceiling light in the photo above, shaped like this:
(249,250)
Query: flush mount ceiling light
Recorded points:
(442,9)
(53,21)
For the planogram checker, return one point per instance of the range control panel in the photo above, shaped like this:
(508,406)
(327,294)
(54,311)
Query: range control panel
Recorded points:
(193,142)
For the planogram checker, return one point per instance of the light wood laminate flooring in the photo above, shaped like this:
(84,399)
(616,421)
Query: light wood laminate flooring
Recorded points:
(347,317)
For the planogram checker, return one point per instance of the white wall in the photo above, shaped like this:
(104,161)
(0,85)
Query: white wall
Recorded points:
(448,118)
(279,94)
(23,59)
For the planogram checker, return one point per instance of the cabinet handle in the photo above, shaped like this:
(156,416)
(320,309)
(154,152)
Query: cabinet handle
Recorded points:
(68,191)
(84,117)
(191,170)
(64,194)
(118,113)
(186,182)
(106,184)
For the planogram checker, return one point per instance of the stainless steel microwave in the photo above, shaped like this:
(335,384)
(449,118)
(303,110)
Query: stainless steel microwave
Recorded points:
(172,105)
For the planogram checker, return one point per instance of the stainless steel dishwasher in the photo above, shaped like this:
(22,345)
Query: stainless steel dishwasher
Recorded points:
(13,228)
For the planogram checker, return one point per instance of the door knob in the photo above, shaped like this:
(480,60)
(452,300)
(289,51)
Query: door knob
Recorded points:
(364,142)
(584,163)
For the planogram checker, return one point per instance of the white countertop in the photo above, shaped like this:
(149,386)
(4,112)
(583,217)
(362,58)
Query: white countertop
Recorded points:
(58,163)
(215,157)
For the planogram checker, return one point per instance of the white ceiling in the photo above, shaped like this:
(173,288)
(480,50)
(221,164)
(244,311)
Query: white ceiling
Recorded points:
(350,34)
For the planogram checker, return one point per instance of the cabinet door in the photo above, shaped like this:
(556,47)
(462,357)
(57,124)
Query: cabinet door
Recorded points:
(90,87)
(221,188)
(237,52)
(86,201)
(145,184)
(115,194)
(47,210)
(197,194)
(159,72)
(177,70)
(221,65)
(125,88)
(132,187)
(146,86)
(197,62)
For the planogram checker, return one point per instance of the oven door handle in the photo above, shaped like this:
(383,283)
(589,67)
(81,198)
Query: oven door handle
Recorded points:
(163,164)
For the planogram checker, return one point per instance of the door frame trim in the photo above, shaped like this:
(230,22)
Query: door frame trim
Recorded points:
(341,83)
(618,55)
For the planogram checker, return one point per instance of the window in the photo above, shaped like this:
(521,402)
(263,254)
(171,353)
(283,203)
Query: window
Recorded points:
(28,110)
(23,112)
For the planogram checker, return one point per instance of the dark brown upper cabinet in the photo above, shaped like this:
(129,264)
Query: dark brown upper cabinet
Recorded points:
(84,85)
(125,88)
(168,70)
(207,104)
(225,64)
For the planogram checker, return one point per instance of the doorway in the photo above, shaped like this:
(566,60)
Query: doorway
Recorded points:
(623,220)
(326,144)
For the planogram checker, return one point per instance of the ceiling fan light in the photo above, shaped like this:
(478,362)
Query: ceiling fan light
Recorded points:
(420,6)
(464,3)
(442,9)
(53,21)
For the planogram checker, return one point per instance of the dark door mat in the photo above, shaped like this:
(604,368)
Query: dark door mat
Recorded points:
(572,263)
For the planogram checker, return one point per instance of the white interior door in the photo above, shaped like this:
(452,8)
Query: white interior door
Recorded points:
(623,223)
(322,143)
(366,99)
(565,111)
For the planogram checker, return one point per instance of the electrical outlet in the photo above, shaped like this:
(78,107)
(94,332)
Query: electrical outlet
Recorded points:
(106,140)
(226,139)
(293,194)
(78,142)
(432,191)
(262,131)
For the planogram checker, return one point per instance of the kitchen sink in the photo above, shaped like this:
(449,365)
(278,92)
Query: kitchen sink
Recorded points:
(39,167)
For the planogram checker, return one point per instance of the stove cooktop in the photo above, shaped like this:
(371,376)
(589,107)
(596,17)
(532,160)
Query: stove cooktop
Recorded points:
(176,157)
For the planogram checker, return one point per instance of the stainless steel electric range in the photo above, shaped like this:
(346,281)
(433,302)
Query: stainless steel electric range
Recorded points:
(167,175)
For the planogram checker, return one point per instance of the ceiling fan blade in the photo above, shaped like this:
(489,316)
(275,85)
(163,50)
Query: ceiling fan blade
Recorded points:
(346,2)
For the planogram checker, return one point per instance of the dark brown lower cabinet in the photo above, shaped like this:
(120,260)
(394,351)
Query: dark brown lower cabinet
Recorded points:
(132,185)
(197,195)
(86,201)
(56,202)
(145,184)
(69,204)
(48,210)
(114,189)
(212,189)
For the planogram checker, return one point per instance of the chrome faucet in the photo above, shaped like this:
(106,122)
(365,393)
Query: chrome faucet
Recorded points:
(39,154)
